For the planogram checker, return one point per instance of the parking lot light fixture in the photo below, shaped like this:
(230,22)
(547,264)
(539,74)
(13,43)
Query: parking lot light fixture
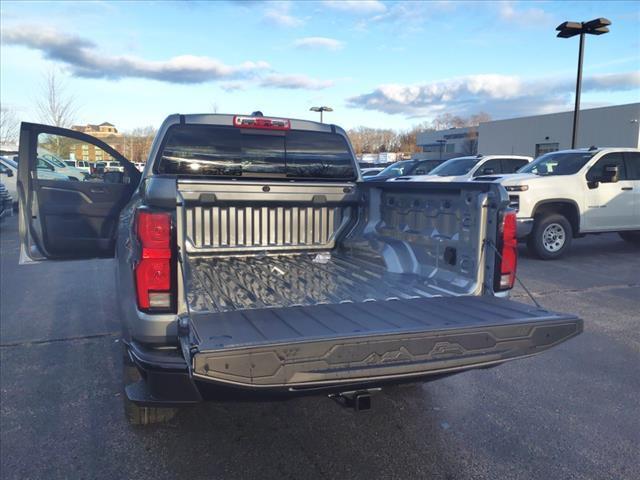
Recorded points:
(321,110)
(597,26)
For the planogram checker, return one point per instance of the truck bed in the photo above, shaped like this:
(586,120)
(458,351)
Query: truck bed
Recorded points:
(240,283)
(350,342)
(317,285)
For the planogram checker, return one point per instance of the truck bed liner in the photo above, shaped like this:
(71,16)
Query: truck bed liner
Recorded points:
(347,342)
(241,283)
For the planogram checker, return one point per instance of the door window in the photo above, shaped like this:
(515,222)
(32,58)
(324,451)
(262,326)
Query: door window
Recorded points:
(597,171)
(423,168)
(54,151)
(632,160)
(512,165)
(489,168)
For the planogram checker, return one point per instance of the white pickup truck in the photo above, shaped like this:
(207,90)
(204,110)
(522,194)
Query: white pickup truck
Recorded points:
(462,169)
(567,194)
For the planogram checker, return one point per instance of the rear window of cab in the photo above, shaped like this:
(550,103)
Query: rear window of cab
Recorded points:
(225,151)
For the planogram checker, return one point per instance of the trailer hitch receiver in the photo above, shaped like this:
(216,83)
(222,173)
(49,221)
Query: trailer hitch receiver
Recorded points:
(357,399)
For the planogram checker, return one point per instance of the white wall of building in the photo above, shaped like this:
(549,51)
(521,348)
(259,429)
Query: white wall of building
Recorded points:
(616,126)
(455,141)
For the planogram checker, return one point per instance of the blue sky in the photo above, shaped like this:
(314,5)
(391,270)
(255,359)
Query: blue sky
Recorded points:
(377,63)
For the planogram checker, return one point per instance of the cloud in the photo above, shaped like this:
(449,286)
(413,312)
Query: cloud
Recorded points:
(358,7)
(280,16)
(85,60)
(498,95)
(318,42)
(233,86)
(528,17)
(294,82)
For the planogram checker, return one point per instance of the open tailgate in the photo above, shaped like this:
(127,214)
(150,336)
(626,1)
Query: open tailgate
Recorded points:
(360,342)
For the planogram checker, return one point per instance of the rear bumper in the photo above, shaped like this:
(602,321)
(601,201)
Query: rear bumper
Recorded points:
(322,366)
(166,382)
(524,227)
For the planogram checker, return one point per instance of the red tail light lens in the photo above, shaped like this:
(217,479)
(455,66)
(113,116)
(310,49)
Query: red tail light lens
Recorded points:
(262,123)
(154,272)
(509,253)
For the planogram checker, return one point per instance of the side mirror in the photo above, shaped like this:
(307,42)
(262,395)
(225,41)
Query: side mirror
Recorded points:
(9,172)
(611,174)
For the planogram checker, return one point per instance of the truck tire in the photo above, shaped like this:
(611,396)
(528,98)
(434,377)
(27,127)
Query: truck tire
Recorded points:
(632,237)
(551,237)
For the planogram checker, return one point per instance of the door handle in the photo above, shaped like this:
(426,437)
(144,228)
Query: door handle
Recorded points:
(627,188)
(98,190)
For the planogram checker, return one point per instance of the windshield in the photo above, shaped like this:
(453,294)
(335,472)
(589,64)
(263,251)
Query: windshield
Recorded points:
(396,169)
(54,160)
(455,166)
(558,163)
(9,162)
(233,152)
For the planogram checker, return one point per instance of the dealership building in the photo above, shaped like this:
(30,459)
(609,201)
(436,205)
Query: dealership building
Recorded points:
(615,126)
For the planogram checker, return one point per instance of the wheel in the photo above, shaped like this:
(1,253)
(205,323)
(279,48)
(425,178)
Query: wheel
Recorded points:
(551,236)
(632,237)
(135,414)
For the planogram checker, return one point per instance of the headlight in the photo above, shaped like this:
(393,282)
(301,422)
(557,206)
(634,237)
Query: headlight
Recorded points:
(517,188)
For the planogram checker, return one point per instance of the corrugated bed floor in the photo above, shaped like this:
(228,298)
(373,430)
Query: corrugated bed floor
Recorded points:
(218,284)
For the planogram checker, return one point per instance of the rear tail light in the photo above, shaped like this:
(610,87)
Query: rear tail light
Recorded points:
(507,261)
(262,123)
(155,273)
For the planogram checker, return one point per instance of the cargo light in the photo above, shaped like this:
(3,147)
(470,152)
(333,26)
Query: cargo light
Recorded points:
(154,273)
(508,247)
(262,123)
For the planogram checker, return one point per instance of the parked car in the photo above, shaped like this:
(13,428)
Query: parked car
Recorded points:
(9,176)
(370,171)
(139,166)
(462,169)
(54,164)
(83,165)
(114,167)
(245,270)
(6,202)
(570,193)
(405,167)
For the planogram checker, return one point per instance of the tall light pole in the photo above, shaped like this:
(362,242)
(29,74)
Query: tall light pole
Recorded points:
(597,26)
(321,109)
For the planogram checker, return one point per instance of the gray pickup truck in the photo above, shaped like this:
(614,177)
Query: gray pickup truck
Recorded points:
(252,261)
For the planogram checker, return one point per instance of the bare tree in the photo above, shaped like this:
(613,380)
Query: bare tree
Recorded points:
(214,107)
(8,126)
(139,142)
(470,143)
(55,106)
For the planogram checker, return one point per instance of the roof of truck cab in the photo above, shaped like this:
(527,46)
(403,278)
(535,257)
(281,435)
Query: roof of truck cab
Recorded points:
(226,119)
(598,150)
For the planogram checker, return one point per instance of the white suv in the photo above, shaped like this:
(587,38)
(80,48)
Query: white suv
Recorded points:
(461,169)
(569,193)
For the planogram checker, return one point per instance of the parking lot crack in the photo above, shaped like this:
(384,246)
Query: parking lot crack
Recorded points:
(46,341)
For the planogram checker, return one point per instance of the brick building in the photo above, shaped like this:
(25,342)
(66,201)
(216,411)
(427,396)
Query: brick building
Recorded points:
(106,132)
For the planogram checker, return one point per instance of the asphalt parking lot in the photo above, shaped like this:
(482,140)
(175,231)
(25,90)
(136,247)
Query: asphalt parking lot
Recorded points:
(572,412)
